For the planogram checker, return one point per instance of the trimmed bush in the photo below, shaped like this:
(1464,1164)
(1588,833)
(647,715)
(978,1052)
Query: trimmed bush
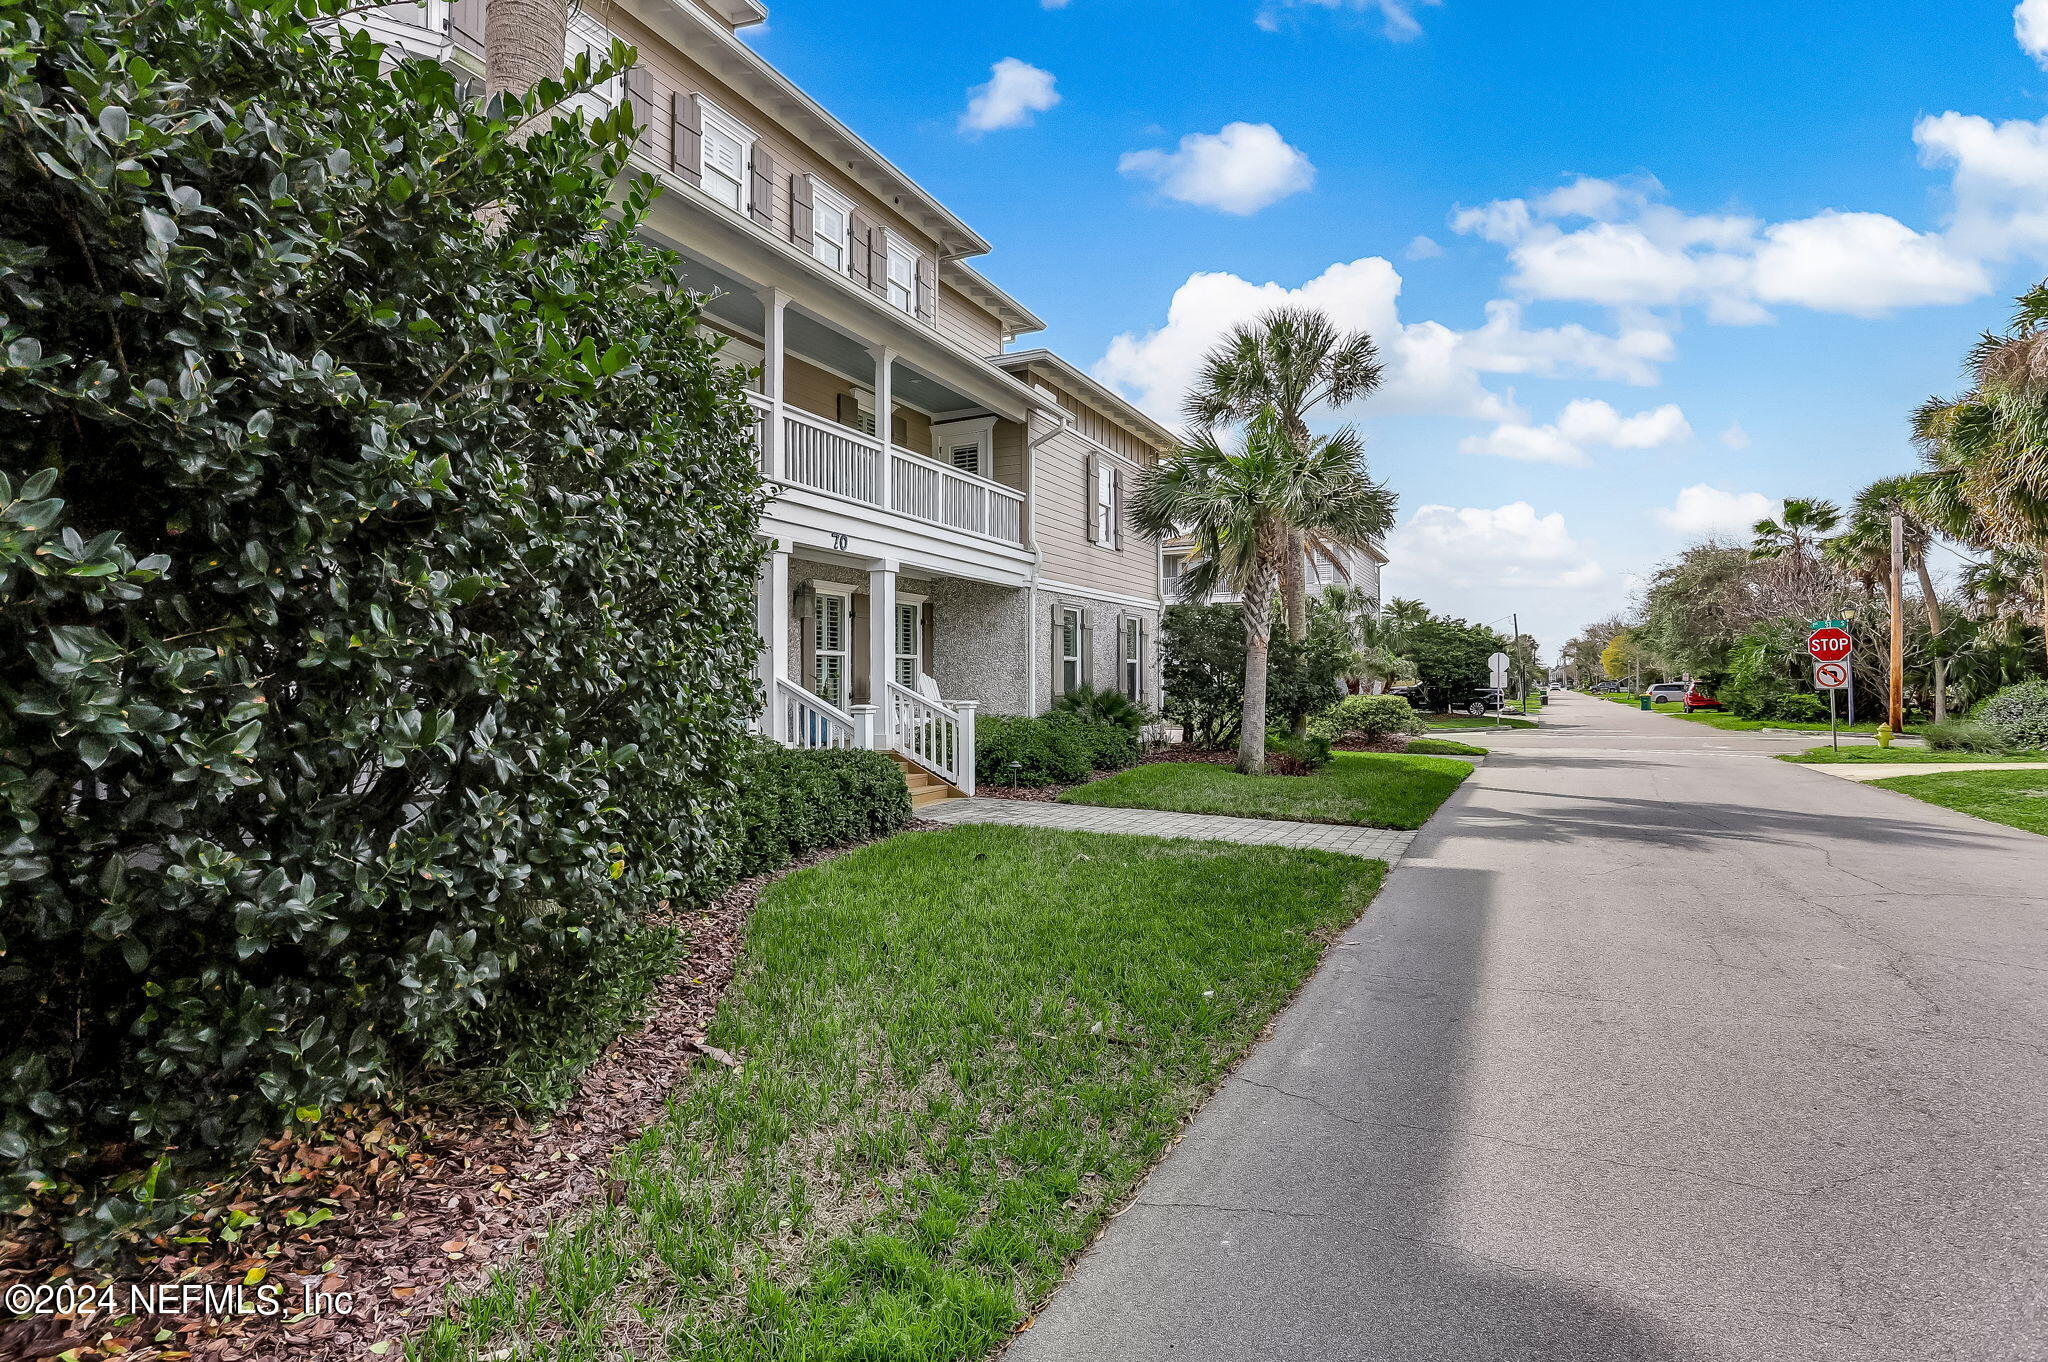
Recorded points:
(1963,735)
(1367,718)
(792,803)
(1056,749)
(1103,707)
(1110,746)
(2018,714)
(376,578)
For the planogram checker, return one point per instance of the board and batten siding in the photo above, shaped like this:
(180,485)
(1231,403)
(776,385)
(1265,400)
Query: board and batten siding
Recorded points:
(1060,495)
(968,324)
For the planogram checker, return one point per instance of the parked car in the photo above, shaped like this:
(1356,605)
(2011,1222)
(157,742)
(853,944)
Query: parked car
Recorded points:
(1698,699)
(1668,692)
(1485,700)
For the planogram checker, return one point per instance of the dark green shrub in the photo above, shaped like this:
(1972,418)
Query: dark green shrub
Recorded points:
(376,577)
(1110,746)
(792,803)
(2017,714)
(1103,707)
(1058,749)
(1288,756)
(1203,668)
(1799,708)
(1367,717)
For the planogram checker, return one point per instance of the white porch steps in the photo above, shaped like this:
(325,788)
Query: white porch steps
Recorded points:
(926,789)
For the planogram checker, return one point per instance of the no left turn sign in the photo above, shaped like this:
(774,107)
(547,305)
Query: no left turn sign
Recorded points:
(1830,675)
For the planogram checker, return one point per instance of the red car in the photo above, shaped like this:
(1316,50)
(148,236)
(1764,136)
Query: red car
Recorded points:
(1699,699)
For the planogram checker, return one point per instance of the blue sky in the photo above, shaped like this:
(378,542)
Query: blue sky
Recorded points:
(1639,271)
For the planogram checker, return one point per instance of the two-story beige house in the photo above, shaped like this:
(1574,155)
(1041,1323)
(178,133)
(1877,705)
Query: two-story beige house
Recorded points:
(948,531)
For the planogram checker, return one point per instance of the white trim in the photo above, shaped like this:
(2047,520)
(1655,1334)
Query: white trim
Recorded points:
(894,248)
(844,652)
(831,198)
(715,119)
(1079,657)
(1064,588)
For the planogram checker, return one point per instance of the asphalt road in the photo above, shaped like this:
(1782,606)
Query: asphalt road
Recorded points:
(1652,1049)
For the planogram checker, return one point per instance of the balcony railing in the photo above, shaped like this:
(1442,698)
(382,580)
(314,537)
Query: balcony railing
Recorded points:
(825,456)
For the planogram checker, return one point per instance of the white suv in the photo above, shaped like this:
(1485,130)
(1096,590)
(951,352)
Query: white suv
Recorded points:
(1668,692)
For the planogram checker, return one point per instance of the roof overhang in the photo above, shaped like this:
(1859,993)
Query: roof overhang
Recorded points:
(1017,319)
(1117,408)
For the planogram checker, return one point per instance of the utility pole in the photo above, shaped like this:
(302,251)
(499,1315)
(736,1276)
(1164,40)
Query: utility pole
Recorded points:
(1896,711)
(1515,659)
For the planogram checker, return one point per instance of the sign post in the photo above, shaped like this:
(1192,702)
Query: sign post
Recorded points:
(1497,669)
(1829,648)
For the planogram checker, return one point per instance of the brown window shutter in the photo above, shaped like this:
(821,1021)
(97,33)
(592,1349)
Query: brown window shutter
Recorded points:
(878,261)
(1116,509)
(1088,649)
(466,25)
(1059,649)
(686,137)
(848,410)
(899,431)
(640,99)
(925,648)
(761,188)
(1093,476)
(857,249)
(800,201)
(927,290)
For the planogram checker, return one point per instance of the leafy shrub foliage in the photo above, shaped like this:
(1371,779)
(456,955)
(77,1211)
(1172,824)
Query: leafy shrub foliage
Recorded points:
(1203,670)
(2018,714)
(375,582)
(1056,749)
(1368,718)
(792,803)
(1288,756)
(1963,735)
(1103,707)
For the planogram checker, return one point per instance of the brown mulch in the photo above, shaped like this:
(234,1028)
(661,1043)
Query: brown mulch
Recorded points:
(1035,794)
(399,1208)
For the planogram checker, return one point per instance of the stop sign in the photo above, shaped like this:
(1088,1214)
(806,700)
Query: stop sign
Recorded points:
(1830,644)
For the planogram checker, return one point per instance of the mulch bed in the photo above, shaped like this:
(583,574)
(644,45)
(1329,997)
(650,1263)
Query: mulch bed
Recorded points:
(418,1203)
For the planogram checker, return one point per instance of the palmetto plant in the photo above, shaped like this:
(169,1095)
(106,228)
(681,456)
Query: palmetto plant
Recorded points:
(1290,361)
(1238,506)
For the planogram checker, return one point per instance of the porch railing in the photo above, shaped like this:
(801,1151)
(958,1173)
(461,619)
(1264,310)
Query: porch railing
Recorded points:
(829,457)
(805,720)
(936,737)
(946,496)
(764,410)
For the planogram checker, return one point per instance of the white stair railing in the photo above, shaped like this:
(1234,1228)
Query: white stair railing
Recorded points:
(936,737)
(805,720)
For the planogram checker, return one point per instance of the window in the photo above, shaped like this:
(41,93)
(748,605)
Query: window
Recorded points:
(589,38)
(831,226)
(728,149)
(902,276)
(908,645)
(967,458)
(831,633)
(1134,657)
(1070,650)
(1105,503)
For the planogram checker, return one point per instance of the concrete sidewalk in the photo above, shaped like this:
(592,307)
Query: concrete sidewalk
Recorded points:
(1650,1050)
(1381,844)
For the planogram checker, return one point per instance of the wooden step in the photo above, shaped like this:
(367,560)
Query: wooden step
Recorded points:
(925,788)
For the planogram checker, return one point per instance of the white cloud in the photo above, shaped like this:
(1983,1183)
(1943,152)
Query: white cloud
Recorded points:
(1582,423)
(1052,4)
(1999,180)
(1430,367)
(1241,169)
(1400,23)
(1701,510)
(2030,26)
(1016,92)
(1501,548)
(1614,243)
(1735,437)
(1422,248)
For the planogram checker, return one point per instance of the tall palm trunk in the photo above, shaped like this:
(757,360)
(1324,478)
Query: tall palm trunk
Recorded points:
(1933,604)
(2044,600)
(1256,608)
(525,41)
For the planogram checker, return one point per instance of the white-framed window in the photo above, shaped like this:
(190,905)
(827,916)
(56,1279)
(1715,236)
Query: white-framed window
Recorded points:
(1070,649)
(864,411)
(728,151)
(906,646)
(831,633)
(831,227)
(967,444)
(1134,658)
(967,458)
(588,37)
(1105,503)
(902,276)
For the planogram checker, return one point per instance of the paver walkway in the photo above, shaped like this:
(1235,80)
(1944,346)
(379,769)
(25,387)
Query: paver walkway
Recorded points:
(1380,844)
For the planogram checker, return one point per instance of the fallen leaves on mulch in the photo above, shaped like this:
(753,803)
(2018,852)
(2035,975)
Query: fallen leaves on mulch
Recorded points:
(397,1207)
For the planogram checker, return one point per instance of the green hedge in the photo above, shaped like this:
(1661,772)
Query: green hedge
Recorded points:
(792,803)
(1370,717)
(376,578)
(1056,749)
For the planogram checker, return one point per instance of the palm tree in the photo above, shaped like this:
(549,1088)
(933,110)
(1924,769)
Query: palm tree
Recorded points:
(1924,504)
(1291,360)
(1794,539)
(525,42)
(1238,506)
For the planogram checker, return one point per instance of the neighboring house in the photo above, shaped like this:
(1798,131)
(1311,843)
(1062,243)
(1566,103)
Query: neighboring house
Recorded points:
(949,530)
(1347,567)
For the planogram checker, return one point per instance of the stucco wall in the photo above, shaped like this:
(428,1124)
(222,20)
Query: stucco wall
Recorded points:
(978,635)
(1102,648)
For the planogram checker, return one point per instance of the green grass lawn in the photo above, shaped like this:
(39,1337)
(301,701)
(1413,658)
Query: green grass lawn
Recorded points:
(1442,747)
(2018,799)
(1378,789)
(960,1051)
(1856,756)
(1474,721)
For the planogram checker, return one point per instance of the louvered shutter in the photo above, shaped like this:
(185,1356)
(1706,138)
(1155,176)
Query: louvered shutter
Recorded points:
(800,221)
(1092,473)
(1088,650)
(878,260)
(857,248)
(1116,509)
(686,137)
(640,99)
(927,290)
(761,188)
(466,25)
(1059,649)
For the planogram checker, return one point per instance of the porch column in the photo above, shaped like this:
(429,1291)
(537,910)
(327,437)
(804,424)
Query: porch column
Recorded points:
(881,649)
(773,304)
(773,621)
(885,420)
